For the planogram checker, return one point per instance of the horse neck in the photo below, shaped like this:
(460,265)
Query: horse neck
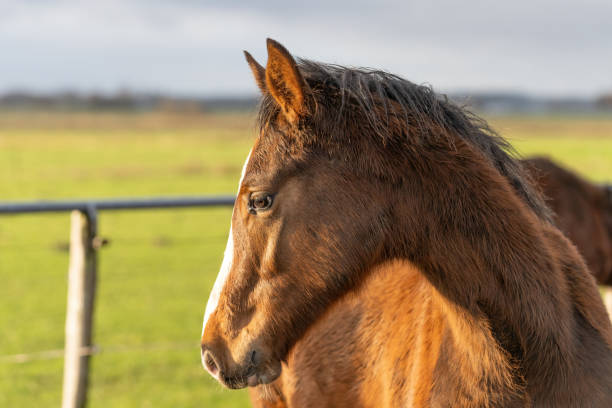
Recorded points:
(482,249)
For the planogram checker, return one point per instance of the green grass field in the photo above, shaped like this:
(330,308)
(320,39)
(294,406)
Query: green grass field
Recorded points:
(155,276)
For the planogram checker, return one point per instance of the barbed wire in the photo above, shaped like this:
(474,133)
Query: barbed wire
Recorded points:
(137,241)
(94,350)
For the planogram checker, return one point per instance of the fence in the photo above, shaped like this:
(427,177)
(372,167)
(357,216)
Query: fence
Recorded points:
(82,274)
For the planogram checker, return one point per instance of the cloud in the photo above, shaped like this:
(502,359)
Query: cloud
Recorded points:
(194,47)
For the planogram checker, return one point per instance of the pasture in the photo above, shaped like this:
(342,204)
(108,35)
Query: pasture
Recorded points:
(155,276)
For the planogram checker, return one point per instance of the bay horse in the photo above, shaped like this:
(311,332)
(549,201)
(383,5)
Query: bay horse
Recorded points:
(387,250)
(582,210)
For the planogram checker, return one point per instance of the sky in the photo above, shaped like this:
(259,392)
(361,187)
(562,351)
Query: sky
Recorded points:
(194,48)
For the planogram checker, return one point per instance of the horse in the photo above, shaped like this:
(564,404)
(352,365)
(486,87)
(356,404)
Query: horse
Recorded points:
(582,210)
(386,249)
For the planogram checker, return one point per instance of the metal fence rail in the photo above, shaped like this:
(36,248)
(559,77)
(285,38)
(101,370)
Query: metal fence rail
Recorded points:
(82,273)
(114,204)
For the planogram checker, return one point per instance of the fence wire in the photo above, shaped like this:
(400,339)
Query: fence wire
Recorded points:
(95,350)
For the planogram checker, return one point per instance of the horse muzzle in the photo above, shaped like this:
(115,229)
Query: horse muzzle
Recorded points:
(252,372)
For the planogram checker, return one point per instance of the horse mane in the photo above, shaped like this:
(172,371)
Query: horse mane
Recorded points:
(387,107)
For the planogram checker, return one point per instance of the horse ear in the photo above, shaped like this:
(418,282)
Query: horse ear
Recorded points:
(258,72)
(284,81)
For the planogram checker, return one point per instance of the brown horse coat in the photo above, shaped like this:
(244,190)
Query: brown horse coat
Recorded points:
(387,251)
(583,211)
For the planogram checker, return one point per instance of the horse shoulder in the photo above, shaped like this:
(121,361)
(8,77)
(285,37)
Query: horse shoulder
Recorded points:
(390,343)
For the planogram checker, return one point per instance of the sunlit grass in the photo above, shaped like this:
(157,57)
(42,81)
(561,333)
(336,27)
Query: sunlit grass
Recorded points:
(155,275)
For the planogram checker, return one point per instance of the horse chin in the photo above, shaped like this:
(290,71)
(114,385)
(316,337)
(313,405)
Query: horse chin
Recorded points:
(267,374)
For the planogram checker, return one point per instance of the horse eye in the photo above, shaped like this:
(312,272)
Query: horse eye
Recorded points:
(260,202)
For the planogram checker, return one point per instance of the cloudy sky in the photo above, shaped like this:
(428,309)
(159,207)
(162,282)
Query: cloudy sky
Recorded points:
(189,47)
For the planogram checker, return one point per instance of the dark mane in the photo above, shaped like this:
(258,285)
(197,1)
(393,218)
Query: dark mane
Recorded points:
(394,111)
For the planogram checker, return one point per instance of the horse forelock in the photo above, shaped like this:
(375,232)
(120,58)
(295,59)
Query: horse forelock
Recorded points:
(349,106)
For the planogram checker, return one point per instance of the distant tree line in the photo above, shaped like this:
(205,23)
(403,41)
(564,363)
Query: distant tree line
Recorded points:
(605,101)
(488,102)
(521,103)
(121,101)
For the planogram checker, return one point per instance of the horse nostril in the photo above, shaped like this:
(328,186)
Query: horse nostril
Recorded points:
(210,364)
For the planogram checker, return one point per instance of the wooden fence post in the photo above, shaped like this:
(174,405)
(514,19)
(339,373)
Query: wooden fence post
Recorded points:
(79,311)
